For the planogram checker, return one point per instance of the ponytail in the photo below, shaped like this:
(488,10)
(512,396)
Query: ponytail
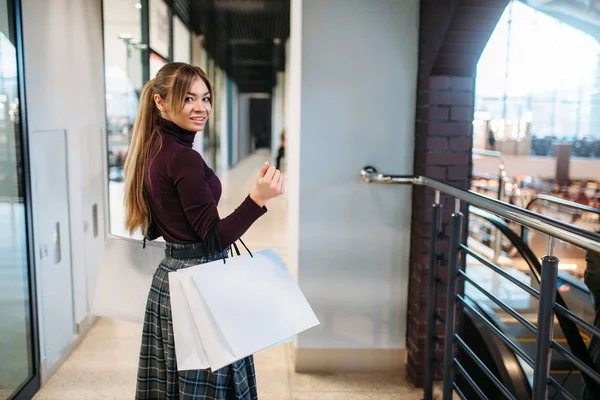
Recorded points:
(137,212)
(172,82)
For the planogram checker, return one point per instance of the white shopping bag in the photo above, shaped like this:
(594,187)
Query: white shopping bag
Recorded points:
(189,348)
(125,277)
(237,308)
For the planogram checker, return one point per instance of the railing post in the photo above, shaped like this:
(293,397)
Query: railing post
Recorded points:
(436,222)
(453,259)
(545,331)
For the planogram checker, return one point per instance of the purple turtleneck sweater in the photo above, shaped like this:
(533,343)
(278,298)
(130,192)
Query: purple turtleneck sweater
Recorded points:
(183,193)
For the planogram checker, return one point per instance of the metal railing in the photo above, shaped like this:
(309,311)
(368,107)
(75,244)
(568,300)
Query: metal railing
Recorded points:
(501,192)
(502,179)
(558,202)
(547,308)
(516,192)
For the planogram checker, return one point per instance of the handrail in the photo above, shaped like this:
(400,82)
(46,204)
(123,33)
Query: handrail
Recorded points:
(522,248)
(569,328)
(503,178)
(507,179)
(490,153)
(563,231)
(483,175)
(558,201)
(546,274)
(562,202)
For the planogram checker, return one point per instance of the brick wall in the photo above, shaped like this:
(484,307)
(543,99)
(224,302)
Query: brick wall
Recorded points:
(453,33)
(443,146)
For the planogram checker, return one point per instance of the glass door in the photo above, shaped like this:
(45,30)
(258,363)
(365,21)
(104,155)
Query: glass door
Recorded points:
(18,356)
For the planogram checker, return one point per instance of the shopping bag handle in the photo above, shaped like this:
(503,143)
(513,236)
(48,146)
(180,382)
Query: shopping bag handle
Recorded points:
(215,234)
(237,250)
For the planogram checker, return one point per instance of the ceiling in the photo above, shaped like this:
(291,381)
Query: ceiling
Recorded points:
(583,15)
(245,37)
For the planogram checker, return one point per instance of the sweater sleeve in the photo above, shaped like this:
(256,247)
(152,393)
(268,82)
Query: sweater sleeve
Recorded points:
(186,169)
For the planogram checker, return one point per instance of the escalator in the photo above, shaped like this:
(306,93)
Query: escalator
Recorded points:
(502,361)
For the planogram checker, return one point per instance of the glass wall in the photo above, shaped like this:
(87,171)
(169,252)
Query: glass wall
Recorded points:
(16,323)
(123,54)
(539,78)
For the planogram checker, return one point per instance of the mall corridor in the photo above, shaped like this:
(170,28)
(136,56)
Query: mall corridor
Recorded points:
(104,365)
(441,213)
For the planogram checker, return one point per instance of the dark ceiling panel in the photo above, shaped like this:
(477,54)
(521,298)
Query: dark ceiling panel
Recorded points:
(245,37)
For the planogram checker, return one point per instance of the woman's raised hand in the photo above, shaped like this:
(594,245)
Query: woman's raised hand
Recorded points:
(268,186)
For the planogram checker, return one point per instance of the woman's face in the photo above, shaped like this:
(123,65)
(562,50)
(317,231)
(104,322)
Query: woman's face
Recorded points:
(196,108)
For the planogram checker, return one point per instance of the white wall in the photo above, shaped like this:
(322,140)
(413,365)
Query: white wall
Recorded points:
(64,78)
(352,73)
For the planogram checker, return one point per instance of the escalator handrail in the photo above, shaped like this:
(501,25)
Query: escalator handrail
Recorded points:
(558,201)
(523,249)
(569,328)
(562,202)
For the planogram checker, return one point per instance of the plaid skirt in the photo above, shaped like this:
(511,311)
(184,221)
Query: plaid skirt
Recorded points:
(158,377)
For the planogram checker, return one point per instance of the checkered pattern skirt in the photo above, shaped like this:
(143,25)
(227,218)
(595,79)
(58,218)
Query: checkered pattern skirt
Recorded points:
(158,377)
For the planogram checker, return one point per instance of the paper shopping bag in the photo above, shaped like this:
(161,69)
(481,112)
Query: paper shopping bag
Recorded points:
(244,306)
(189,348)
(125,277)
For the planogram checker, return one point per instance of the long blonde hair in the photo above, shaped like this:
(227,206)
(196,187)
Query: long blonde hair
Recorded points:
(172,83)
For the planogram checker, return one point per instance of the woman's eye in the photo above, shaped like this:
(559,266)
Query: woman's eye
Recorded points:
(206,99)
(189,99)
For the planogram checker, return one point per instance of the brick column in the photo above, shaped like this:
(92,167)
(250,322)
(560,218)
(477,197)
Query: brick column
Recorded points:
(443,147)
(453,34)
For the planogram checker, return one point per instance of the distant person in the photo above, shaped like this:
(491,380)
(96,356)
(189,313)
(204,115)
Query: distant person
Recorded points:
(280,151)
(582,197)
(491,140)
(596,199)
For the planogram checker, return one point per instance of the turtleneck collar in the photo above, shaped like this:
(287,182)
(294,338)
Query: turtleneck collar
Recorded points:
(183,136)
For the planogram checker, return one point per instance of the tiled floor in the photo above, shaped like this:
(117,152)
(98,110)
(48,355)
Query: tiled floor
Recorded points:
(104,365)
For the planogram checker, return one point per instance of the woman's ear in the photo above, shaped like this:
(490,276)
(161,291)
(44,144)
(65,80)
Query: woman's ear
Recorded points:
(160,104)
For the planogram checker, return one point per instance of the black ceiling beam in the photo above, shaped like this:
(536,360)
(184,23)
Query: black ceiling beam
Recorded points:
(250,62)
(244,37)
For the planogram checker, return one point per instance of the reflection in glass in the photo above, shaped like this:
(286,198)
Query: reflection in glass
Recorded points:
(123,49)
(16,364)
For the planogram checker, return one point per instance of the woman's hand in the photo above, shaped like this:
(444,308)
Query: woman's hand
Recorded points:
(269,185)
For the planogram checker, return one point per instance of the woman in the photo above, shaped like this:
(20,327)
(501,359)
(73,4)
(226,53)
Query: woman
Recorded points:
(171,192)
(280,151)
